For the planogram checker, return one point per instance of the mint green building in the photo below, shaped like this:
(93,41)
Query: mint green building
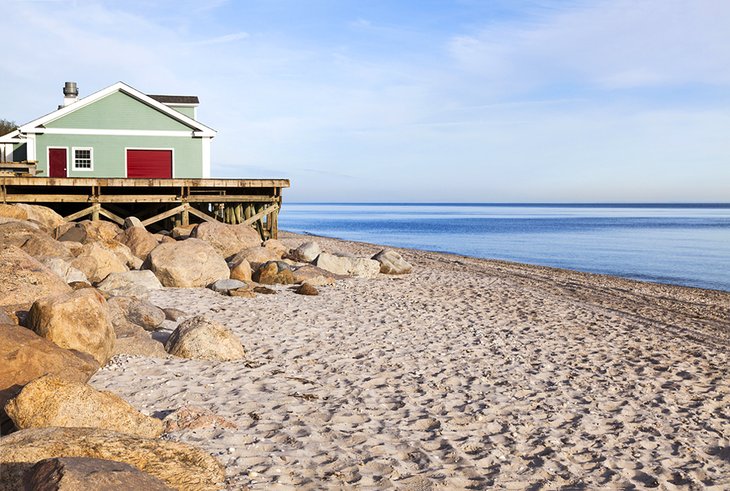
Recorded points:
(115,132)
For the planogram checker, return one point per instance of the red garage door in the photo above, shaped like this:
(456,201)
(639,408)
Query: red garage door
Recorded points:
(149,163)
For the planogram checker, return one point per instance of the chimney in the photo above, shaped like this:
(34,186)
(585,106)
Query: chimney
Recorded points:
(70,93)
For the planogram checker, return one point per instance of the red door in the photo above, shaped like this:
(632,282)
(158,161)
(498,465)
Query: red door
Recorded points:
(57,162)
(156,164)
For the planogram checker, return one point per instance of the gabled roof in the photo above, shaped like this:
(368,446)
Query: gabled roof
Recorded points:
(176,99)
(199,129)
(12,137)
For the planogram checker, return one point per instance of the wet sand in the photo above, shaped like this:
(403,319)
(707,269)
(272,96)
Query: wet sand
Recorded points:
(465,374)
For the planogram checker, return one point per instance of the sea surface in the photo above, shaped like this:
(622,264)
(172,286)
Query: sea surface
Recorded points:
(666,243)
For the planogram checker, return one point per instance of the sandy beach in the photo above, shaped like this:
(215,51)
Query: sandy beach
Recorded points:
(465,374)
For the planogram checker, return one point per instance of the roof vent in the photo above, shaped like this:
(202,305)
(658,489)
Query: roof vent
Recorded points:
(70,93)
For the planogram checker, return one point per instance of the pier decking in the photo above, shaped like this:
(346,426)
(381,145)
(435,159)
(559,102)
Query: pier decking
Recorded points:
(181,201)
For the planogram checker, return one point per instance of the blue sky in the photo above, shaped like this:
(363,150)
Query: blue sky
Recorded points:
(374,100)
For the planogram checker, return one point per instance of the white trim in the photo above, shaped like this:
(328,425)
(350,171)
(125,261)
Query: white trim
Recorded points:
(205,143)
(73,160)
(84,131)
(130,91)
(48,159)
(172,156)
(12,137)
(31,150)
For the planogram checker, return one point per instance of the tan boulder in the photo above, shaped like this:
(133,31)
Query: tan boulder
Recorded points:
(306,252)
(187,263)
(42,246)
(182,231)
(63,269)
(277,246)
(392,263)
(273,273)
(42,214)
(83,473)
(139,241)
(129,284)
(52,401)
(204,339)
(256,256)
(97,262)
(227,239)
(240,269)
(137,311)
(17,233)
(12,211)
(181,466)
(88,231)
(24,279)
(25,356)
(78,320)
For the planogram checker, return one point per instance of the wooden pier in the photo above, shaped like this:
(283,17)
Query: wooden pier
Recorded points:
(175,201)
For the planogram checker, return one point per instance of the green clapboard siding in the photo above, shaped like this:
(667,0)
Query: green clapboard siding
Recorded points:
(186,110)
(109,153)
(118,111)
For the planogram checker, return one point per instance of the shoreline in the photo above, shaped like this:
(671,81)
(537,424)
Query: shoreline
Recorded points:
(466,373)
(508,261)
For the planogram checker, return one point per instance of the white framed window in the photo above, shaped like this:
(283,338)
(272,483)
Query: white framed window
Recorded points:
(82,158)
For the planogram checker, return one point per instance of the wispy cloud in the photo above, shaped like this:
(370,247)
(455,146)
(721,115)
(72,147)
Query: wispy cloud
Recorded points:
(227,38)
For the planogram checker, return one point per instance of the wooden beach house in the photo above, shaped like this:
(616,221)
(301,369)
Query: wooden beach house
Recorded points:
(115,132)
(120,152)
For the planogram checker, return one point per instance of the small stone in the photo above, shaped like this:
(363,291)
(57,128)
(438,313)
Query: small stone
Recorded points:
(264,290)
(306,289)
(204,339)
(173,314)
(242,292)
(224,286)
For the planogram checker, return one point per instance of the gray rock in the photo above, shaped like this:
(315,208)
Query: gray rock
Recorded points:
(204,339)
(392,263)
(131,222)
(136,311)
(130,284)
(64,269)
(222,286)
(306,252)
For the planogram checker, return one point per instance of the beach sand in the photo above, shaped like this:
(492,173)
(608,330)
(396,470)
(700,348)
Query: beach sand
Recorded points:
(465,374)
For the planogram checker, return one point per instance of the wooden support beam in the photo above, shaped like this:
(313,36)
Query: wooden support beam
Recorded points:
(260,214)
(95,212)
(202,215)
(112,216)
(79,214)
(166,214)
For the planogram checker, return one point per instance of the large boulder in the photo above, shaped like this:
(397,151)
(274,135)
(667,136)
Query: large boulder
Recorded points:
(63,268)
(88,231)
(306,253)
(17,233)
(42,246)
(187,264)
(24,279)
(25,356)
(181,466)
(277,246)
(78,320)
(137,311)
(204,339)
(227,239)
(392,263)
(339,265)
(256,256)
(347,265)
(130,284)
(139,241)
(77,473)
(240,269)
(97,262)
(274,272)
(41,214)
(52,401)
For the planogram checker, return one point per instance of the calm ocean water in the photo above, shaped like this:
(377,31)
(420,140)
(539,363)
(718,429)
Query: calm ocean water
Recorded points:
(680,244)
